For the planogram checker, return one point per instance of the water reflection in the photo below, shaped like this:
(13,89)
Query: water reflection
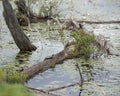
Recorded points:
(98,75)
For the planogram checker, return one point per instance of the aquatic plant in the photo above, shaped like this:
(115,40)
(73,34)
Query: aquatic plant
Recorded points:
(12,76)
(83,43)
(2,75)
(16,77)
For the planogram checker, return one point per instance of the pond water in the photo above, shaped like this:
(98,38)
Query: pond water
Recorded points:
(101,76)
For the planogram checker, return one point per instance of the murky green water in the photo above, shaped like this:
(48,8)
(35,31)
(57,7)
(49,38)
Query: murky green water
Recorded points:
(102,76)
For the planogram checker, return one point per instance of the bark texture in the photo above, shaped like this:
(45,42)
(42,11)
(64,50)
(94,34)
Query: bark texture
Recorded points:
(25,15)
(50,62)
(21,40)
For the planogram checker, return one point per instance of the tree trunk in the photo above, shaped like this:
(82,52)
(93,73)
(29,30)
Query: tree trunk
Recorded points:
(18,35)
(24,10)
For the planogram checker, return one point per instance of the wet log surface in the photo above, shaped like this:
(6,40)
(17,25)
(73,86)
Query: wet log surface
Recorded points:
(58,58)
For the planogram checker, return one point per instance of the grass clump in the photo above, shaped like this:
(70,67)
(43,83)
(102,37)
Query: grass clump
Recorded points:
(83,43)
(10,85)
(2,75)
(14,90)
(12,76)
(16,77)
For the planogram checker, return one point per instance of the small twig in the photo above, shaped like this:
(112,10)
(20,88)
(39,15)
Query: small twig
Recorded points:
(98,22)
(81,78)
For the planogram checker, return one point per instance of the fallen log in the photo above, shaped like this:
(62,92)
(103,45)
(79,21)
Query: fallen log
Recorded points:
(58,58)
(100,40)
(92,22)
(105,45)
(68,53)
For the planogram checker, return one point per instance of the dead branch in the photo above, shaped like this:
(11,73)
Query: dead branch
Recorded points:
(90,22)
(105,45)
(81,77)
(63,87)
(97,22)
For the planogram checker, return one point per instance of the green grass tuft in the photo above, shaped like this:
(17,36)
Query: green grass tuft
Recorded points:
(14,90)
(83,43)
